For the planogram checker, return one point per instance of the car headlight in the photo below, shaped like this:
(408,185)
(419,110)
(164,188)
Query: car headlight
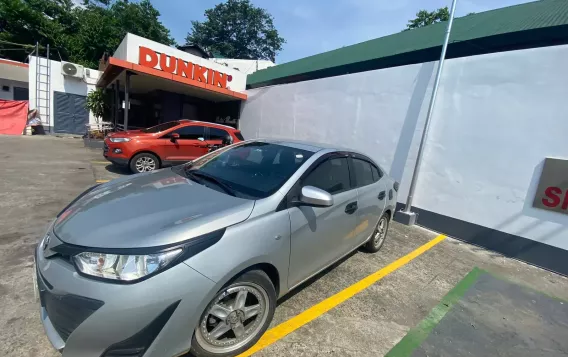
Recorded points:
(120,140)
(123,267)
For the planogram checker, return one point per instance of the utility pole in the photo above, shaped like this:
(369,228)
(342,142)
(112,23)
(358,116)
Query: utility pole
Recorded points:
(406,216)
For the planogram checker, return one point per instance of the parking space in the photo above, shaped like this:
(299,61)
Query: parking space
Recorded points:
(42,174)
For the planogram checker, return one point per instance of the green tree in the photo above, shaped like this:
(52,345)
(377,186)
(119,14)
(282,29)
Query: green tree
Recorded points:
(105,23)
(237,29)
(98,103)
(80,34)
(26,22)
(425,18)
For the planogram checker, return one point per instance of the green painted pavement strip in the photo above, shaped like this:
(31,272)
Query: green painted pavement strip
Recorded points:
(418,334)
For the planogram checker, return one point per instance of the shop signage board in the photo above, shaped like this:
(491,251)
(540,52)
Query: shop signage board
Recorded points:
(552,190)
(170,64)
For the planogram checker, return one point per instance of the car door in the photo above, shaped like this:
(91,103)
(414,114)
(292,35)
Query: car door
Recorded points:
(371,198)
(187,147)
(318,234)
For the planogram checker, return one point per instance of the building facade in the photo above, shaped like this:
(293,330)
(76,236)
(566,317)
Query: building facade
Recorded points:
(13,80)
(159,83)
(164,83)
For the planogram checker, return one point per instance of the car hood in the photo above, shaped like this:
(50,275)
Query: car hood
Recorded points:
(148,210)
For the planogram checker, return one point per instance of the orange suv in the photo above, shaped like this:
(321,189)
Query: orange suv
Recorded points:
(166,144)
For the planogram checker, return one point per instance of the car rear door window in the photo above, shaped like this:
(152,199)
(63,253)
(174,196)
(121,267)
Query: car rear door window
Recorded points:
(376,173)
(331,175)
(363,172)
(192,132)
(217,134)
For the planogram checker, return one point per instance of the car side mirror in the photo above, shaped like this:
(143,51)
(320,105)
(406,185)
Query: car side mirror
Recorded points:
(313,196)
(174,137)
(227,140)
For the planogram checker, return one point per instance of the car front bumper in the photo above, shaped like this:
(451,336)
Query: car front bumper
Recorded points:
(86,317)
(117,160)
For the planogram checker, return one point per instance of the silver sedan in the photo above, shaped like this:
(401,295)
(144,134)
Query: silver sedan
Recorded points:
(194,257)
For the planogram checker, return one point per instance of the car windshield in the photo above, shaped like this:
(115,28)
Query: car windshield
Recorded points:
(253,170)
(161,127)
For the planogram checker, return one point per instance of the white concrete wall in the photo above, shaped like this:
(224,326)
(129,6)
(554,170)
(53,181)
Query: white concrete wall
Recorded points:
(497,117)
(9,95)
(132,44)
(379,113)
(59,83)
(244,66)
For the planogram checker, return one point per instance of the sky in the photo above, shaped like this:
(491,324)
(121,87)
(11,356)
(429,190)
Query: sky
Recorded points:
(315,26)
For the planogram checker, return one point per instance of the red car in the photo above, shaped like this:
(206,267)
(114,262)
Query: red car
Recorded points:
(170,143)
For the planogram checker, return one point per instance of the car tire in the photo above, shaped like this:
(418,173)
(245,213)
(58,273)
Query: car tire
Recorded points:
(259,292)
(375,243)
(144,162)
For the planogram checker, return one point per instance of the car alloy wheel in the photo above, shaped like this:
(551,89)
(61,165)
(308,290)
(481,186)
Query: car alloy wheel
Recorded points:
(234,318)
(380,232)
(145,163)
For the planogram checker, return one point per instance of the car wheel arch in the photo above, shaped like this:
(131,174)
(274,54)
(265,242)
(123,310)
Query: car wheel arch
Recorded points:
(145,152)
(268,268)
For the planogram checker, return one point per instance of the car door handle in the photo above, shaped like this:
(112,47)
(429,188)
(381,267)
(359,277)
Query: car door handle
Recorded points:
(351,208)
(382,195)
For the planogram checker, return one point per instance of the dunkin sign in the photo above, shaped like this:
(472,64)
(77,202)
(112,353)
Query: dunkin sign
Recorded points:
(177,66)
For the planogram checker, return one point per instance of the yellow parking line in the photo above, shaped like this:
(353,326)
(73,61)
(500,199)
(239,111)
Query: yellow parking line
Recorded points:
(102,181)
(100,162)
(319,309)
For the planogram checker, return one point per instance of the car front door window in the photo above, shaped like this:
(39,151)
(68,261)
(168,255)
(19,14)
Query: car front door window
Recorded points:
(331,175)
(193,132)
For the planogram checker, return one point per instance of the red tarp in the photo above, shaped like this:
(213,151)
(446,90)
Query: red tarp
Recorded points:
(13,116)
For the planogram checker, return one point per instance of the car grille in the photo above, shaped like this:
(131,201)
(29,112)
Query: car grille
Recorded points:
(105,148)
(66,312)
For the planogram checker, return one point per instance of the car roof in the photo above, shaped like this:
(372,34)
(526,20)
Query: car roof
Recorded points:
(307,145)
(315,147)
(186,121)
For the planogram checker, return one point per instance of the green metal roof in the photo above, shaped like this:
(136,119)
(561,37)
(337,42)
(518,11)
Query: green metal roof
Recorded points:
(533,24)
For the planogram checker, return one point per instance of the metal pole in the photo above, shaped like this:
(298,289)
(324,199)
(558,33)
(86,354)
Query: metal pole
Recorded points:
(126,100)
(116,105)
(48,88)
(36,75)
(430,110)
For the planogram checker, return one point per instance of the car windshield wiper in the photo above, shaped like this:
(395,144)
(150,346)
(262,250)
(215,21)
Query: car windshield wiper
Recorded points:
(213,179)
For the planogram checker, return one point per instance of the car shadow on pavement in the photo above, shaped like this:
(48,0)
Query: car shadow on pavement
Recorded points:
(119,170)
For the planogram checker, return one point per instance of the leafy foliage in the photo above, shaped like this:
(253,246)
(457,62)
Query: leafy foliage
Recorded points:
(81,34)
(47,21)
(98,103)
(425,18)
(237,29)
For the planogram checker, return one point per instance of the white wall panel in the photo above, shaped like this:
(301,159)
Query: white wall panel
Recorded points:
(379,113)
(497,117)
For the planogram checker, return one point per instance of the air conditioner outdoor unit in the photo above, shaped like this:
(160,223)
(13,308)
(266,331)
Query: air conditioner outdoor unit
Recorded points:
(72,70)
